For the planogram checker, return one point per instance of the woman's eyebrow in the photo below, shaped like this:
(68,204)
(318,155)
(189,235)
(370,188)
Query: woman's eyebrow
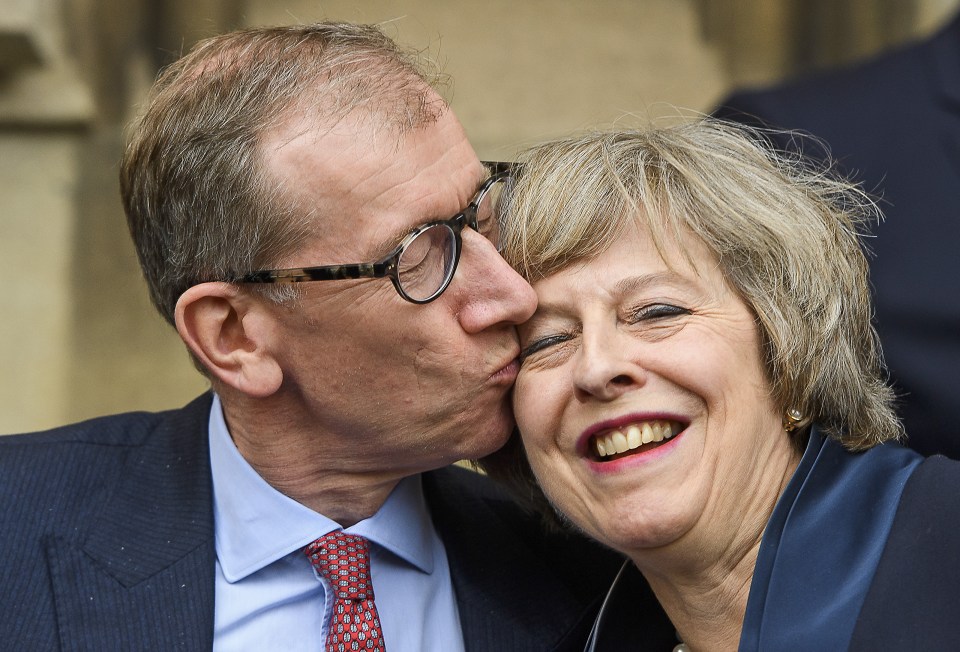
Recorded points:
(546,313)
(645,281)
(560,309)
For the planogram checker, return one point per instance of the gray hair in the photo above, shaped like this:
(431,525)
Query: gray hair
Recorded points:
(198,202)
(786,235)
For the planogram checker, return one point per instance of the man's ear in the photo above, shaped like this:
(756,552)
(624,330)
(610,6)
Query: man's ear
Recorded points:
(231,334)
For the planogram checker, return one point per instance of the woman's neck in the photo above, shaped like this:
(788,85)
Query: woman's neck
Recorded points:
(707,607)
(703,579)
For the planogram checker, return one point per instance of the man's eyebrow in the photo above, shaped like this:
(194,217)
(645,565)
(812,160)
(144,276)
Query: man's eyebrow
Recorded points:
(391,240)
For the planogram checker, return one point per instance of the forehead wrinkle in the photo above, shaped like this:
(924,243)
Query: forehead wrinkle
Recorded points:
(389,242)
(645,281)
(561,309)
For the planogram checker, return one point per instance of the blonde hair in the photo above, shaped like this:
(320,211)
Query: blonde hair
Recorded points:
(786,235)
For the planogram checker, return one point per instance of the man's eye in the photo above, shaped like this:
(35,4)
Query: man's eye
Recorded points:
(486,226)
(489,227)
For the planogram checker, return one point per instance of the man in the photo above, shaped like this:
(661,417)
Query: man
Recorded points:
(260,154)
(893,123)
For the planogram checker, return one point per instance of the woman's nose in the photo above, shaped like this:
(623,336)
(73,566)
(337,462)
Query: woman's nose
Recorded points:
(602,371)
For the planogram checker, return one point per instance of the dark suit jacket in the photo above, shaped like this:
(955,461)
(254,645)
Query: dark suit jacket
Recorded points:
(894,123)
(914,600)
(107,543)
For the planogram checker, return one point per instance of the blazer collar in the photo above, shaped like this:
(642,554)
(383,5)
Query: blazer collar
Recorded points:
(143,572)
(521,588)
(162,507)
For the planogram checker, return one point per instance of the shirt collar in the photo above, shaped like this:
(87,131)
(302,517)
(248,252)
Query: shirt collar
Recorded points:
(256,525)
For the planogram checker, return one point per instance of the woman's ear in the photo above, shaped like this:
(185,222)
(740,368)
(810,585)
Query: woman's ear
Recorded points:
(230,333)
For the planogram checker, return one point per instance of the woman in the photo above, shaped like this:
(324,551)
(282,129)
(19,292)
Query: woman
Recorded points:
(702,390)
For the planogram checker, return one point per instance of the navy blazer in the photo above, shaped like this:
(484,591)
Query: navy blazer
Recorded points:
(107,542)
(914,600)
(894,124)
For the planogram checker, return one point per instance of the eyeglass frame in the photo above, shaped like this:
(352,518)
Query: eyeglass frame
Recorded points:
(388,266)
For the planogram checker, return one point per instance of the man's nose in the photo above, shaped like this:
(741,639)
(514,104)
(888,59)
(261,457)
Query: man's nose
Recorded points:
(493,293)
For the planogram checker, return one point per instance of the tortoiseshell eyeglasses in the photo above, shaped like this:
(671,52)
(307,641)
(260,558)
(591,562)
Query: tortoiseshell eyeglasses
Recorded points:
(423,264)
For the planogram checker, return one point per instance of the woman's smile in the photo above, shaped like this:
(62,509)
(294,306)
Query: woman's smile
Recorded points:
(633,438)
(702,313)
(644,379)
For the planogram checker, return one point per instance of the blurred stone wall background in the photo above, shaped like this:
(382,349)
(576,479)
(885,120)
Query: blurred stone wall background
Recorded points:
(78,337)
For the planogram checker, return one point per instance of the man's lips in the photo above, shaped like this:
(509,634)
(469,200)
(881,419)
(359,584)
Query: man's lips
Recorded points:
(508,372)
(613,439)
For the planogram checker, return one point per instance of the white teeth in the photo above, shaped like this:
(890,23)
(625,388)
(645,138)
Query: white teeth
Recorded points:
(620,441)
(647,433)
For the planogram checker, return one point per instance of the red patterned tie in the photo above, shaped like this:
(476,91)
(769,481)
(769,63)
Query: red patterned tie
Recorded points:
(344,561)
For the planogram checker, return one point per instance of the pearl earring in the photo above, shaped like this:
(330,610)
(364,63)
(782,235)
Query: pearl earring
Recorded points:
(792,419)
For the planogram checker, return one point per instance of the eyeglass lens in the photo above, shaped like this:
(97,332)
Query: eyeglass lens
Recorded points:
(428,262)
(488,212)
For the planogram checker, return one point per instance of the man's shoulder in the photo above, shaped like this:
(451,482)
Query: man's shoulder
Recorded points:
(476,485)
(118,508)
(125,429)
(912,602)
(74,466)
(468,508)
(465,502)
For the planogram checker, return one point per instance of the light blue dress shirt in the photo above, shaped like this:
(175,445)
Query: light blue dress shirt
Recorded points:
(267,595)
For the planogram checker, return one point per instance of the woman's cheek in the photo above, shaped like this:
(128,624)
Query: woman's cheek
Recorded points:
(524,400)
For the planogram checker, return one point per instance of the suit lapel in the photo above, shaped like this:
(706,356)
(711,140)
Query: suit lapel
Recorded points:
(509,593)
(521,588)
(142,575)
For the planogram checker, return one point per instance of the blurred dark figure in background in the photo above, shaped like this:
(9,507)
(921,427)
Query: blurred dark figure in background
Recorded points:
(893,123)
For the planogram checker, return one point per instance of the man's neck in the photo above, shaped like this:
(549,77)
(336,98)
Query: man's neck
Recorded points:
(305,467)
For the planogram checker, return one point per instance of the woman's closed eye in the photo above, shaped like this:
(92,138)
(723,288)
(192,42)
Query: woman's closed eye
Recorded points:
(656,321)
(652,320)
(542,343)
(655,311)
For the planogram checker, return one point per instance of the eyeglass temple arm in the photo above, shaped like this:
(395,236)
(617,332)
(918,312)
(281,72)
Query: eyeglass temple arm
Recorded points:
(499,167)
(324,273)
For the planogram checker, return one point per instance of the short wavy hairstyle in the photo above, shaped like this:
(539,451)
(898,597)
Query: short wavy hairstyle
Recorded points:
(786,233)
(199,203)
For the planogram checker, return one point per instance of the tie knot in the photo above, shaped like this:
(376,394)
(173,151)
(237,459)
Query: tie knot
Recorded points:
(344,561)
